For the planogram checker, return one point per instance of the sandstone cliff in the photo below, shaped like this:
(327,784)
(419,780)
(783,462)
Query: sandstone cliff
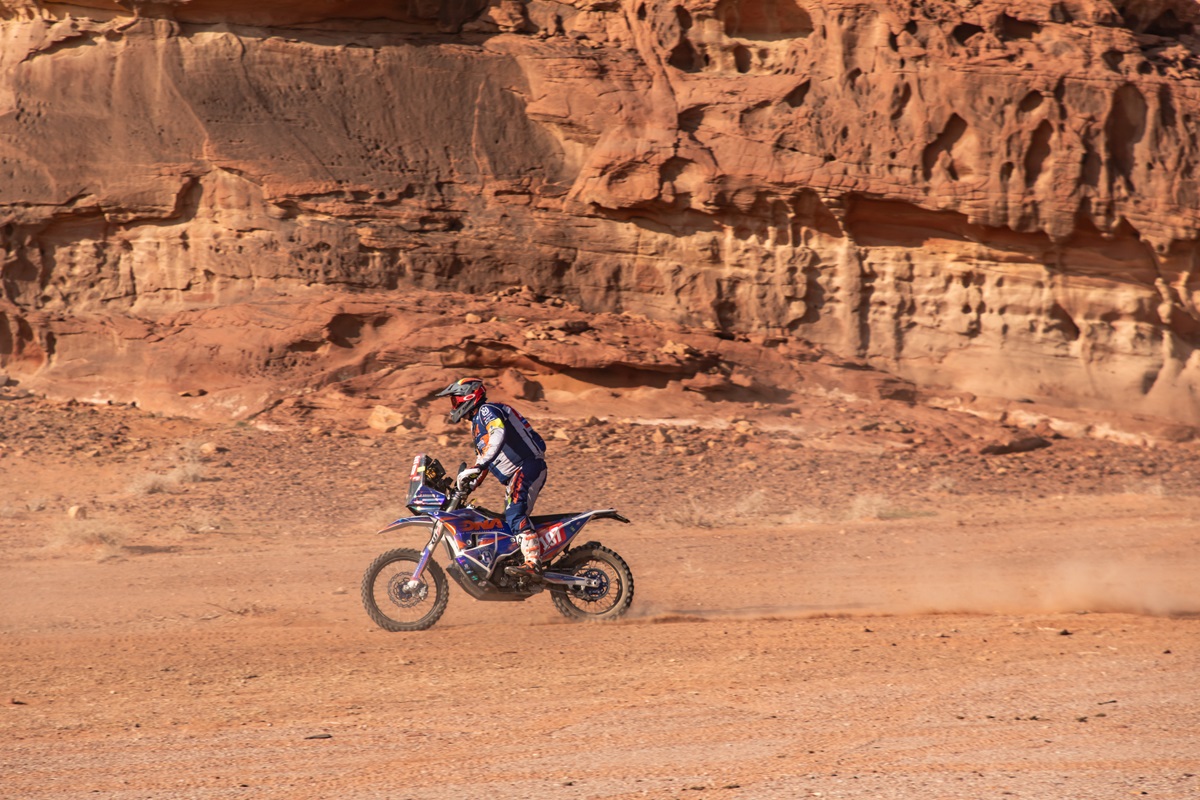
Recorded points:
(995,197)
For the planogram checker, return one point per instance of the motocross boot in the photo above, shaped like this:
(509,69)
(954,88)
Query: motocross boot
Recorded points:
(531,572)
(531,549)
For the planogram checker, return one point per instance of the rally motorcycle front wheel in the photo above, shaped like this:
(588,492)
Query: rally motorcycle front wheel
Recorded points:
(389,600)
(609,599)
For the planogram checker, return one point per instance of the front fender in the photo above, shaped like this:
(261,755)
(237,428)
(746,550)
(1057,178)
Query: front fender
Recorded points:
(405,522)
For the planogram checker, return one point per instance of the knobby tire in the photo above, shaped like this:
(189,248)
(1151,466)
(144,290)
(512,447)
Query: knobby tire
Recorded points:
(383,595)
(575,604)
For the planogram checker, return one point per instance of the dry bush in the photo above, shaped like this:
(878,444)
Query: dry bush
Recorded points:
(200,522)
(867,506)
(187,472)
(11,509)
(103,538)
(1146,487)
(807,516)
(157,483)
(944,485)
(694,512)
(873,506)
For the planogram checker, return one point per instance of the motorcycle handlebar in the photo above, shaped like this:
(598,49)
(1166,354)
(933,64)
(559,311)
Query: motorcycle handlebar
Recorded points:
(458,496)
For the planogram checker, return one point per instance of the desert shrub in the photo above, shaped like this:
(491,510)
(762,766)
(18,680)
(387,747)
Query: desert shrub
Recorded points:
(157,482)
(104,539)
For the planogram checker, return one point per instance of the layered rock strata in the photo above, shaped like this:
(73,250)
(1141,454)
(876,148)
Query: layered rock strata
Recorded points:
(966,194)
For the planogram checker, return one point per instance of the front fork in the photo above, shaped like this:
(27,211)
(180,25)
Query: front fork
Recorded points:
(414,582)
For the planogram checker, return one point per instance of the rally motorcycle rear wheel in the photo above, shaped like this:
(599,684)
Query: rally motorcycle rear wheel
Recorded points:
(391,604)
(607,601)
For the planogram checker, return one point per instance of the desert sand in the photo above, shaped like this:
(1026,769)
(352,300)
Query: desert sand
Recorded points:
(180,618)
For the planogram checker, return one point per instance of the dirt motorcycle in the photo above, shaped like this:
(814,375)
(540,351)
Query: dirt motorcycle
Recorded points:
(406,590)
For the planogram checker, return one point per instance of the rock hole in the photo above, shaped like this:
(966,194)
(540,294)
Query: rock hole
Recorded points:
(901,102)
(1130,19)
(672,169)
(1061,14)
(741,59)
(964,31)
(1166,107)
(1113,59)
(684,57)
(1169,25)
(690,119)
(1125,128)
(1038,153)
(305,346)
(1060,320)
(1013,28)
(344,330)
(1090,166)
(956,126)
(1030,102)
(764,19)
(795,98)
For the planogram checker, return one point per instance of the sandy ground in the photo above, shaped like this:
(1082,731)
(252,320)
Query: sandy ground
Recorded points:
(808,622)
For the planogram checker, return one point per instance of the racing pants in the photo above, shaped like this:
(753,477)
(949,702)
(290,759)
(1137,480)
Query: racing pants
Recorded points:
(520,495)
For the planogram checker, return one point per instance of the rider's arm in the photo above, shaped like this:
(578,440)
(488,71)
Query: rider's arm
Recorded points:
(495,440)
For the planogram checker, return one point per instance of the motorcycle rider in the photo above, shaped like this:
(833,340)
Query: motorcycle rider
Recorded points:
(509,448)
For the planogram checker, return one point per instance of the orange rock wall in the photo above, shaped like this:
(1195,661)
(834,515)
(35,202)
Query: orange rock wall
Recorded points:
(991,196)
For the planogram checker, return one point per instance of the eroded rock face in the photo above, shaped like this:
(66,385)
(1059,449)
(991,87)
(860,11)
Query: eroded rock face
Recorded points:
(967,194)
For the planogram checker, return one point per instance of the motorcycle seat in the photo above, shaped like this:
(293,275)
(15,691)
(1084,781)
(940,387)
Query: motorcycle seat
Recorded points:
(538,520)
(550,518)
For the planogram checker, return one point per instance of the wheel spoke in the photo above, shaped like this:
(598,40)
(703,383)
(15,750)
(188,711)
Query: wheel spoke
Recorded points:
(611,591)
(395,605)
(597,600)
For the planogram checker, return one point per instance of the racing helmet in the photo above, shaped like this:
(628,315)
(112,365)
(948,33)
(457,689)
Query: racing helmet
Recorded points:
(466,395)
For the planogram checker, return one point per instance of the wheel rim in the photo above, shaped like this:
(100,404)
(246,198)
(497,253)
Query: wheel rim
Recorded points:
(399,593)
(596,599)
(395,601)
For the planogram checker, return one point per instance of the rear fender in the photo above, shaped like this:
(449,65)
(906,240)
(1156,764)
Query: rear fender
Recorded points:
(555,536)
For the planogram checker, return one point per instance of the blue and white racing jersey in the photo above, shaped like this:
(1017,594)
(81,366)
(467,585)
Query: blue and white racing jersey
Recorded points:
(504,440)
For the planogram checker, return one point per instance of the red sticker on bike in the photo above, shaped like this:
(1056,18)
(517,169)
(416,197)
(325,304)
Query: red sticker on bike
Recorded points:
(552,537)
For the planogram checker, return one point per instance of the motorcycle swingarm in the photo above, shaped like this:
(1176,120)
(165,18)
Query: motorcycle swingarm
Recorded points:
(576,581)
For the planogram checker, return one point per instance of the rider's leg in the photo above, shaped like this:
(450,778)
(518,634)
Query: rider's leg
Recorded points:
(522,493)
